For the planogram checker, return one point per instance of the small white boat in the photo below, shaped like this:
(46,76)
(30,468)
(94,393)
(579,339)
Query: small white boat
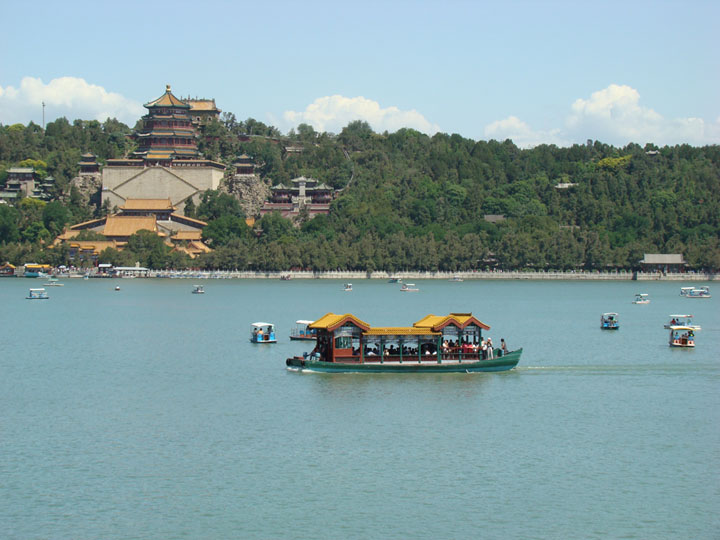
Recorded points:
(348,287)
(685,290)
(394,280)
(456,279)
(409,287)
(681,320)
(37,294)
(53,282)
(198,289)
(699,292)
(117,287)
(641,298)
(682,336)
(302,332)
(263,332)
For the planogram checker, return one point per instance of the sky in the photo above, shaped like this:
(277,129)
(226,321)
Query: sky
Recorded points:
(537,72)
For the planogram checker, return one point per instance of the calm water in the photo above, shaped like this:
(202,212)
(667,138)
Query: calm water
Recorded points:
(146,413)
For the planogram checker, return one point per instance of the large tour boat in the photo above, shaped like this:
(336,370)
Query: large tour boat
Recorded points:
(434,344)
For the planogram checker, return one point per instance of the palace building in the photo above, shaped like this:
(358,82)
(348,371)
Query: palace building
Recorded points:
(166,163)
(155,215)
(304,193)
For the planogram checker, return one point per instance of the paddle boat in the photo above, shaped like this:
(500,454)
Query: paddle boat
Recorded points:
(37,294)
(408,287)
(700,292)
(434,344)
(347,287)
(682,336)
(198,289)
(681,320)
(263,332)
(394,280)
(53,282)
(609,321)
(641,298)
(285,277)
(302,332)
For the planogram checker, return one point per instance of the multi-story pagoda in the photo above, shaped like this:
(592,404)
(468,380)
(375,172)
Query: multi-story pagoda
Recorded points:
(166,163)
(168,132)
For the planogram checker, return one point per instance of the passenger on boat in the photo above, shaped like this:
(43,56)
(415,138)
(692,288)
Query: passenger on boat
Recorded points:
(503,346)
(491,353)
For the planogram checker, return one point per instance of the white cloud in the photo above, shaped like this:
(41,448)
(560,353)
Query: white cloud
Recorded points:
(332,113)
(71,97)
(613,115)
(521,133)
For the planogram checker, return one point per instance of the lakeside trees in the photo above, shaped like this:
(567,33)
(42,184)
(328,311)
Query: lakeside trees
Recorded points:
(411,201)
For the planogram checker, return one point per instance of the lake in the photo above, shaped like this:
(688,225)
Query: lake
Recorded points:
(146,413)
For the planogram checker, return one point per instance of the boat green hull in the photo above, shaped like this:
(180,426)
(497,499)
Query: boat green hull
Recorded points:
(503,363)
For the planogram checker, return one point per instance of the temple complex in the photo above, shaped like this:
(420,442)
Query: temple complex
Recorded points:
(155,215)
(303,193)
(203,111)
(166,163)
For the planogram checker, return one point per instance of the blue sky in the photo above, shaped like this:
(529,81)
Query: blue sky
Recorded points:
(537,72)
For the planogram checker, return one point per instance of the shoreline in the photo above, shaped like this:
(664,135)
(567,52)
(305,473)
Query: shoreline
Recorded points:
(404,276)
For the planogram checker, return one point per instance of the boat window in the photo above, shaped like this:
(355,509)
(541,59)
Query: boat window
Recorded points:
(343,342)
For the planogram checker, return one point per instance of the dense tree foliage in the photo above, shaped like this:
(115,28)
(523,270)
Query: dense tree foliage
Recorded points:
(406,200)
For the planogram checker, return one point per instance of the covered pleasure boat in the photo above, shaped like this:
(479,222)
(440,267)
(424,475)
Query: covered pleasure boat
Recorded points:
(434,344)
(301,332)
(609,321)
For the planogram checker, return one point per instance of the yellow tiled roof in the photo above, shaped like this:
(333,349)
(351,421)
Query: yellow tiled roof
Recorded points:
(98,246)
(147,204)
(167,100)
(400,331)
(187,235)
(330,321)
(461,320)
(128,225)
(88,224)
(202,104)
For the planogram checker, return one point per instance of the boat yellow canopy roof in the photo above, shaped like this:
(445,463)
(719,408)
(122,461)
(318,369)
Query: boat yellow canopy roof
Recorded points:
(438,322)
(399,331)
(331,321)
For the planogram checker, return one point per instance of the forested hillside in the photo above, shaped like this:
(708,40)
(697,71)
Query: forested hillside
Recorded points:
(407,200)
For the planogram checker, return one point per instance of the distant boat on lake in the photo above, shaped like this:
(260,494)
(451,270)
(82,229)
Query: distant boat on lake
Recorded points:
(609,321)
(37,294)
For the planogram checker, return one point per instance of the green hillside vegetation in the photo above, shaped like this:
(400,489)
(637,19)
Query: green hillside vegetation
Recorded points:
(408,201)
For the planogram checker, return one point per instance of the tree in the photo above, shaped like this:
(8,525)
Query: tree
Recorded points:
(55,217)
(221,231)
(9,219)
(215,204)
